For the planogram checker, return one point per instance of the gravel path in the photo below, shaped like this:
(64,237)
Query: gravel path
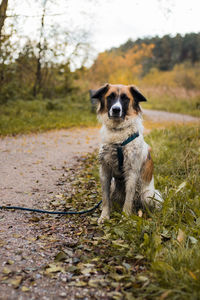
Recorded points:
(163,116)
(31,166)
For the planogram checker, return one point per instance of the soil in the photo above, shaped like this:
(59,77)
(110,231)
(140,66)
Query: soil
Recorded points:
(32,171)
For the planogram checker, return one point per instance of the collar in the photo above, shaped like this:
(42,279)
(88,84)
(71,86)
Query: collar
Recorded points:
(120,155)
(130,138)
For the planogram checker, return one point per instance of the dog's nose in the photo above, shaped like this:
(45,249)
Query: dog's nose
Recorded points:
(116,110)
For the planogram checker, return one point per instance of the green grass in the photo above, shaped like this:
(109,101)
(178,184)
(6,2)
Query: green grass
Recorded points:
(39,115)
(25,116)
(156,256)
(172,103)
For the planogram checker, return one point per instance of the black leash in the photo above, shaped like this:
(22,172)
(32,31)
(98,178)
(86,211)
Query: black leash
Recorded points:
(120,162)
(53,212)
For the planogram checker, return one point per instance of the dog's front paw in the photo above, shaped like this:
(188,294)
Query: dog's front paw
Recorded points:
(127,210)
(103,218)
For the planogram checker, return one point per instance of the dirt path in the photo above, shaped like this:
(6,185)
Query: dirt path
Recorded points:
(32,168)
(31,165)
(163,116)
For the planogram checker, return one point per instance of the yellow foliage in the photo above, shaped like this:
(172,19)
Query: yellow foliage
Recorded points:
(124,68)
(159,78)
(128,67)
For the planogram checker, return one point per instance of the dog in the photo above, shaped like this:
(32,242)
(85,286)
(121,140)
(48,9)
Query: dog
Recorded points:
(126,166)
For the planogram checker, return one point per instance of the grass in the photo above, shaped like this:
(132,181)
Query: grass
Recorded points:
(39,115)
(156,255)
(174,100)
(25,116)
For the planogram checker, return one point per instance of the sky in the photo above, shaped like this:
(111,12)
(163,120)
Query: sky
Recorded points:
(111,23)
(124,19)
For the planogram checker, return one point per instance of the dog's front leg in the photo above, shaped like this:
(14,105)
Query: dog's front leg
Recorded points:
(130,192)
(105,176)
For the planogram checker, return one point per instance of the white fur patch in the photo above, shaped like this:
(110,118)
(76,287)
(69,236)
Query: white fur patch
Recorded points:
(116,105)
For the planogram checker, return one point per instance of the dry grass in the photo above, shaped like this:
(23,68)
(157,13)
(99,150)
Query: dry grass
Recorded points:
(170,99)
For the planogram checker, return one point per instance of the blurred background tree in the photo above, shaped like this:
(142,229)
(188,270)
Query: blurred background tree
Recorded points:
(41,66)
(3,9)
(148,61)
(53,62)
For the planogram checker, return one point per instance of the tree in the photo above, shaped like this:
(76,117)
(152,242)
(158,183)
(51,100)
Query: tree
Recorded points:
(116,66)
(3,9)
(28,66)
(41,46)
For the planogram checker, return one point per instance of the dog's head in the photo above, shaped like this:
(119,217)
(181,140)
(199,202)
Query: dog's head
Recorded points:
(118,101)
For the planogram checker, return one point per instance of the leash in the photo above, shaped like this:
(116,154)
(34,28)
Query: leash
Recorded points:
(120,163)
(53,212)
(120,154)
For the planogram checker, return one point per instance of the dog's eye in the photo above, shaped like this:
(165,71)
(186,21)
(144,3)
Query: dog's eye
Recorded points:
(111,96)
(124,97)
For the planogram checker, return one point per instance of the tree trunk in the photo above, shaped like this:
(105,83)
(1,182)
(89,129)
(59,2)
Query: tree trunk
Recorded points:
(3,9)
(38,75)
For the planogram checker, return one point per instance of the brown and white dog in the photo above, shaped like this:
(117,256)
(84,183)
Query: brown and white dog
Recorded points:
(126,167)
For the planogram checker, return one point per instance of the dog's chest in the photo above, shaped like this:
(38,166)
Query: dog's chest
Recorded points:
(132,157)
(109,158)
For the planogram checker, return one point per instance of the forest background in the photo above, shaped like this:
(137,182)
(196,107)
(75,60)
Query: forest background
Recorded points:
(42,86)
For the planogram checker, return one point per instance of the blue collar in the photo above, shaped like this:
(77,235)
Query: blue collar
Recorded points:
(120,155)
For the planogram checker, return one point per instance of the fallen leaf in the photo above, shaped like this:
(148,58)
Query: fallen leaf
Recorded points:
(53,268)
(181,236)
(192,275)
(181,186)
(193,240)
(142,278)
(25,289)
(120,243)
(116,295)
(6,271)
(138,256)
(140,213)
(93,283)
(127,266)
(60,256)
(117,277)
(16,282)
(86,271)
(80,283)
(165,295)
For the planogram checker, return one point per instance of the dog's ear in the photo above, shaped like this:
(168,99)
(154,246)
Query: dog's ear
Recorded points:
(138,97)
(98,94)
(92,92)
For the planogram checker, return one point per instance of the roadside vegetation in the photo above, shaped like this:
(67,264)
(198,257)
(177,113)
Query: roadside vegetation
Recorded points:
(39,115)
(21,116)
(152,255)
(172,100)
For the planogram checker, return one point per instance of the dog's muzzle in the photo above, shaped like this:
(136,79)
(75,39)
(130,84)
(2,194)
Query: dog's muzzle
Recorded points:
(115,111)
